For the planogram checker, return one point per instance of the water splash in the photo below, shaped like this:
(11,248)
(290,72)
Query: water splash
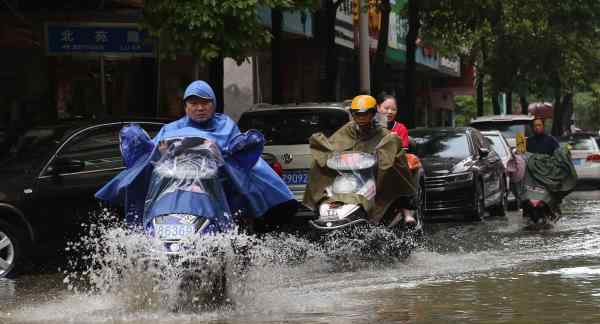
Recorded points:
(215,271)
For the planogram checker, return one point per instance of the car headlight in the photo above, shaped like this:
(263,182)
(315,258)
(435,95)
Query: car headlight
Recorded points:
(346,184)
(463,177)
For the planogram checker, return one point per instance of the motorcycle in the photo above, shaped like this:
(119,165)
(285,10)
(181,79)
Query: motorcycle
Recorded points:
(547,180)
(541,212)
(186,202)
(182,201)
(355,181)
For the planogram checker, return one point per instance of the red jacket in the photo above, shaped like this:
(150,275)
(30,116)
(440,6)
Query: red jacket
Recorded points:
(401,131)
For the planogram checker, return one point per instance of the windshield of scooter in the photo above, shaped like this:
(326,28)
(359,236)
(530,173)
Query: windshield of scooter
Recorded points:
(186,180)
(355,170)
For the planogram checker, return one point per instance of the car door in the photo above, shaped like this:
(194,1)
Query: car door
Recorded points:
(488,166)
(82,165)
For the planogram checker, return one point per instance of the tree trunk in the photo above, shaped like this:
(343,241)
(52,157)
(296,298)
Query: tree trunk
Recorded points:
(509,106)
(414,25)
(557,115)
(276,56)
(495,101)
(567,106)
(480,78)
(524,104)
(325,27)
(216,73)
(378,74)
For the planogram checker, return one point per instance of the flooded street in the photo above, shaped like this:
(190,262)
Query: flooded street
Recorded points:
(492,272)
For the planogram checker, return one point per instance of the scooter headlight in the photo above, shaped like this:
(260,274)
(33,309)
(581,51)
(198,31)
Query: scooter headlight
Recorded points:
(346,184)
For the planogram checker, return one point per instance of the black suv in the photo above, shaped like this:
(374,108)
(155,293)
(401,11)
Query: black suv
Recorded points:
(49,180)
(463,174)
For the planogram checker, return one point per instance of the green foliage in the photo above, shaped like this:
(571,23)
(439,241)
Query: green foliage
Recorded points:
(209,29)
(465,109)
(587,108)
(527,46)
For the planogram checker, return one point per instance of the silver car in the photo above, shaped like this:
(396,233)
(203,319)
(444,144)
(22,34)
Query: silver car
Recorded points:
(287,129)
(501,146)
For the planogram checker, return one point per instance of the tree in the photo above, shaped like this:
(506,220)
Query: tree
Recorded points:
(378,66)
(325,24)
(530,46)
(210,30)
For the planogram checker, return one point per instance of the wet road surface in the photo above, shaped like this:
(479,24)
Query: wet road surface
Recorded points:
(492,272)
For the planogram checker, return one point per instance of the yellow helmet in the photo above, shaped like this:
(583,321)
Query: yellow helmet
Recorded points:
(363,103)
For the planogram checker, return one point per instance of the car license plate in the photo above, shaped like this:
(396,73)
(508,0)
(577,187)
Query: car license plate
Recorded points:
(578,162)
(174,231)
(295,177)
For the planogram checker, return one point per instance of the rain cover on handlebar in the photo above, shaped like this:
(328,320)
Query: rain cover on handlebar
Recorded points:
(186,181)
(549,177)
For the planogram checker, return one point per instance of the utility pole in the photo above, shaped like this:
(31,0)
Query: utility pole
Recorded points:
(364,46)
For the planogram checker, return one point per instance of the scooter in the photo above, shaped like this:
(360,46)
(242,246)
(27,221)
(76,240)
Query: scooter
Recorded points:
(186,201)
(539,208)
(182,201)
(356,181)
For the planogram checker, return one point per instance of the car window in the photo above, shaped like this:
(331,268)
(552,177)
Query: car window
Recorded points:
(497,144)
(37,142)
(579,143)
(289,127)
(98,148)
(442,145)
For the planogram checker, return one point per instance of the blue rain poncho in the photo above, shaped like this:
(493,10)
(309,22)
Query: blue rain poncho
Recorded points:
(254,188)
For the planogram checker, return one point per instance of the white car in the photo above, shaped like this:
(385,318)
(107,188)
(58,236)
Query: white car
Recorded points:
(508,125)
(287,129)
(585,155)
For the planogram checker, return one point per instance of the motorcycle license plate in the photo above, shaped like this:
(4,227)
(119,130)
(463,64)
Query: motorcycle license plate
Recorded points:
(173,231)
(295,177)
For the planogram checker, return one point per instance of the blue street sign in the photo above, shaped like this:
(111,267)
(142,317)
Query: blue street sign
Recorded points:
(97,39)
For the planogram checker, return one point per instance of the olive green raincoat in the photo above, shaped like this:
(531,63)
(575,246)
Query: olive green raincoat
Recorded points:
(393,178)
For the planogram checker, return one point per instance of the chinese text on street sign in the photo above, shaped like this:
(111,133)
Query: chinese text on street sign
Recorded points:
(113,39)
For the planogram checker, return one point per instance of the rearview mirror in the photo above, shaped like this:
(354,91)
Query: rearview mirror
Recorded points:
(66,165)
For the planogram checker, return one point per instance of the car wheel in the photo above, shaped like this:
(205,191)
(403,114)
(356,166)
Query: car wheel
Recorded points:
(11,250)
(479,204)
(500,208)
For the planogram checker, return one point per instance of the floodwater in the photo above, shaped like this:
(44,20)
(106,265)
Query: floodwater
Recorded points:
(488,272)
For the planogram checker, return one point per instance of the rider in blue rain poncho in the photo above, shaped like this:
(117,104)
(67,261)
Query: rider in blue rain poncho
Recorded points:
(253,188)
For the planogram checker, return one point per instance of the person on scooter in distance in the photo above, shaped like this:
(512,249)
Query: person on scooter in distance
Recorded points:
(548,166)
(540,143)
(364,134)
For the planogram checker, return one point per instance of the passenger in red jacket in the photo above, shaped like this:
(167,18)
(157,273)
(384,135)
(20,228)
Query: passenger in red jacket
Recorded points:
(387,106)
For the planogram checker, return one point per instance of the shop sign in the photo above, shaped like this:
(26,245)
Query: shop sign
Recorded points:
(344,29)
(295,22)
(398,26)
(427,56)
(97,39)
